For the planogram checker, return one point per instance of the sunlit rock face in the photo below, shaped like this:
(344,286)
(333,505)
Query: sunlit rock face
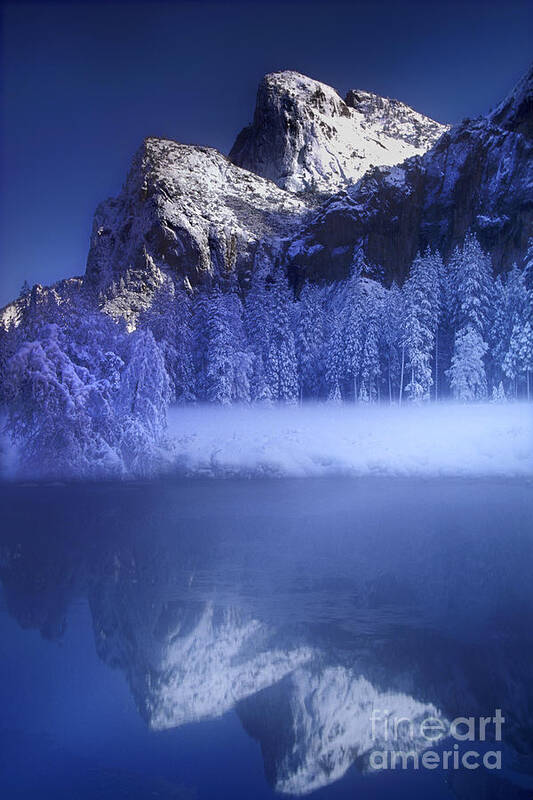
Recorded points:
(189,211)
(323,724)
(306,138)
(478,176)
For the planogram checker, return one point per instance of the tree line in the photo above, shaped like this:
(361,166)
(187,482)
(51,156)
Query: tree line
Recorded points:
(452,330)
(80,394)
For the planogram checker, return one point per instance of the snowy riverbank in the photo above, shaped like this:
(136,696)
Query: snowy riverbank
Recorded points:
(452,440)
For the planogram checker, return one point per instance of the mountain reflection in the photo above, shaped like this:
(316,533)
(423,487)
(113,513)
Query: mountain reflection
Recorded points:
(302,613)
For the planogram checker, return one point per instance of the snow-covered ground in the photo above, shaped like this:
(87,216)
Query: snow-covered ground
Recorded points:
(327,439)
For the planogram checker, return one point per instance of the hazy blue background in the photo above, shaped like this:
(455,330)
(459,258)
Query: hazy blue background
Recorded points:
(82,84)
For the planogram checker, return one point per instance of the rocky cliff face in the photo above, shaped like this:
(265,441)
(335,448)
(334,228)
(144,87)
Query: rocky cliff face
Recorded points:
(402,182)
(315,724)
(312,178)
(478,176)
(187,210)
(305,137)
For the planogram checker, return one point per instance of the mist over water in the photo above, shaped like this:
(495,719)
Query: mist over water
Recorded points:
(317,439)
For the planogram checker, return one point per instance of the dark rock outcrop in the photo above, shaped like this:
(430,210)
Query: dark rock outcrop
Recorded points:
(478,176)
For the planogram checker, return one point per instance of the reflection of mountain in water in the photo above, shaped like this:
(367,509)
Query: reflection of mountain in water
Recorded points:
(200,621)
(314,725)
(195,662)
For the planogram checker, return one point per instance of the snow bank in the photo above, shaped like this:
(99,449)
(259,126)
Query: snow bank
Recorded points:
(314,440)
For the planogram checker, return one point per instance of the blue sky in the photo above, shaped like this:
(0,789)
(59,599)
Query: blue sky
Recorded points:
(84,83)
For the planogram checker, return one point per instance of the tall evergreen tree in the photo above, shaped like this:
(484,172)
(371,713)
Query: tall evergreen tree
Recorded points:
(281,363)
(310,340)
(467,373)
(257,322)
(227,358)
(422,309)
(474,287)
(334,344)
(393,317)
(516,296)
(528,330)
(370,361)
(353,320)
(473,292)
(199,326)
(169,319)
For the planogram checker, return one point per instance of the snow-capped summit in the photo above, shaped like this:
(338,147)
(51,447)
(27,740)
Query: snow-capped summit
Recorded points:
(305,137)
(478,176)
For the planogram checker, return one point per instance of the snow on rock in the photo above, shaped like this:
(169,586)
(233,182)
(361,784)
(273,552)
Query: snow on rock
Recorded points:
(477,177)
(305,137)
(41,299)
(315,440)
(186,210)
(185,661)
(323,725)
(204,673)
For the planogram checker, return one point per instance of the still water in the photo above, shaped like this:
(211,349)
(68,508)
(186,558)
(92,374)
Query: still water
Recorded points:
(253,639)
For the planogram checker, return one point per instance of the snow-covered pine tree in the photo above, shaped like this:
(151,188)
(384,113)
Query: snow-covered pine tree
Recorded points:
(474,293)
(422,309)
(525,354)
(511,344)
(257,320)
(46,395)
(370,360)
(445,337)
(450,299)
(353,321)
(227,358)
(219,350)
(528,330)
(528,266)
(334,344)
(169,319)
(440,355)
(310,340)
(145,387)
(242,356)
(25,289)
(473,287)
(393,316)
(281,363)
(142,403)
(500,331)
(498,394)
(467,373)
(199,321)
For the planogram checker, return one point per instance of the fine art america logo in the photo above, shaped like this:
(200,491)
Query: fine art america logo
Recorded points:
(389,733)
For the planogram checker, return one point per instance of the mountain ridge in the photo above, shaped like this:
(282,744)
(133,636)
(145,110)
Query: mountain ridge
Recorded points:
(188,211)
